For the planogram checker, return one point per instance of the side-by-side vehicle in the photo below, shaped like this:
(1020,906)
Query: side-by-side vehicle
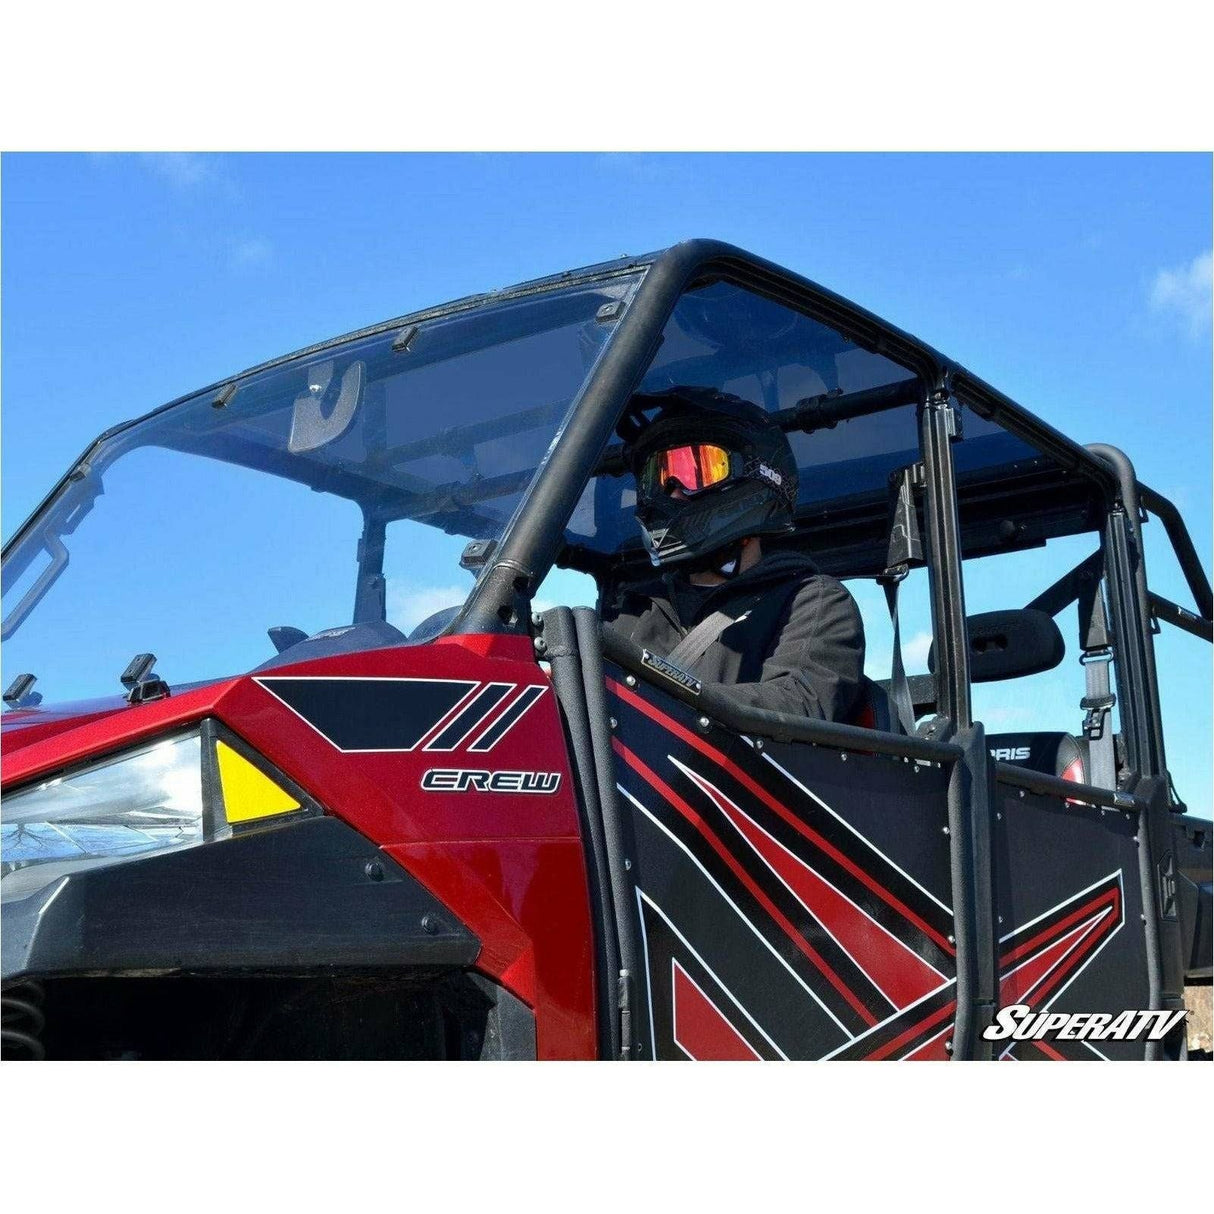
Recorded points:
(306,753)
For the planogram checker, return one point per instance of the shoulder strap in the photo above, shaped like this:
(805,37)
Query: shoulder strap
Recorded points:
(1098,700)
(899,684)
(905,549)
(701,638)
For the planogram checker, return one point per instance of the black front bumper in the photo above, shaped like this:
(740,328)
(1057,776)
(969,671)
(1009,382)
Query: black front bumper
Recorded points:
(310,896)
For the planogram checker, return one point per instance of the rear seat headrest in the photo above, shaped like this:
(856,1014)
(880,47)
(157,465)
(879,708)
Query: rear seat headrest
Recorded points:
(1055,754)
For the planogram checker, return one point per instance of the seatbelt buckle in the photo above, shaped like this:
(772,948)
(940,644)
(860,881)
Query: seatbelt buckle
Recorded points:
(1097,708)
(1099,701)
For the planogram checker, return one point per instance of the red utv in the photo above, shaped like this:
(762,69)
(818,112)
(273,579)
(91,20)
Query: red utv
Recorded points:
(307,755)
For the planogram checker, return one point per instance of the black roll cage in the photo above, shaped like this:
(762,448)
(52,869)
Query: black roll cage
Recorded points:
(500,600)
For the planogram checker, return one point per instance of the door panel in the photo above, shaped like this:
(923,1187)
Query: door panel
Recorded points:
(1069,905)
(793,901)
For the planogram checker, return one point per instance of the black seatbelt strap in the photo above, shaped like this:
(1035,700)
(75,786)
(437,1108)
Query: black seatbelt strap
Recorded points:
(1098,699)
(1098,722)
(905,546)
(899,685)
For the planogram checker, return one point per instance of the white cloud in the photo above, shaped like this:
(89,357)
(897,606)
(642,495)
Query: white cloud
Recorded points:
(254,251)
(1185,293)
(408,605)
(182,170)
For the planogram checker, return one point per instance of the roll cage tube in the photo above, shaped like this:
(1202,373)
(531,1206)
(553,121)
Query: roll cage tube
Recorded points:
(938,425)
(1186,553)
(1129,608)
(500,599)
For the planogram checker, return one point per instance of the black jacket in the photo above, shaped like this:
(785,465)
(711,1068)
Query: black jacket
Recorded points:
(799,649)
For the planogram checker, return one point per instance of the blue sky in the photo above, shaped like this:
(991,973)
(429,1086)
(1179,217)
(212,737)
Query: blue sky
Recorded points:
(1079,285)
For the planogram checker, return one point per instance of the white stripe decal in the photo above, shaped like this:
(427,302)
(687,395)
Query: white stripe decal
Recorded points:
(641,895)
(733,906)
(674,1012)
(527,698)
(483,690)
(868,843)
(698,779)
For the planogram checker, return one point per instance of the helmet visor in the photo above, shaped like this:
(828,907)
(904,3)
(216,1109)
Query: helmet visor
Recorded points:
(694,467)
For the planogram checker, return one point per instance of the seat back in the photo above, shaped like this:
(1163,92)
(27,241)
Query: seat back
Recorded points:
(874,709)
(1055,754)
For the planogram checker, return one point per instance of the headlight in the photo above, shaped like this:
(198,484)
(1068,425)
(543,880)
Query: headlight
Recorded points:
(142,801)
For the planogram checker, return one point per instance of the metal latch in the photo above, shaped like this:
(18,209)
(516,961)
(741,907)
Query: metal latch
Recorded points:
(1097,709)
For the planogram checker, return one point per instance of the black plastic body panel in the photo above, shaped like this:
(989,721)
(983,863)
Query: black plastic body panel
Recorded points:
(311,895)
(1193,849)
(1069,901)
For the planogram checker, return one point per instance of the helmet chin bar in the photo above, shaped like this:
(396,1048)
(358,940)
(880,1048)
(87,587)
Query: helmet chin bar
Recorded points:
(717,561)
(705,532)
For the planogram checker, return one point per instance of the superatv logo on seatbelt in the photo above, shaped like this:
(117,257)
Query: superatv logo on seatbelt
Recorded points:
(1020,1023)
(455,779)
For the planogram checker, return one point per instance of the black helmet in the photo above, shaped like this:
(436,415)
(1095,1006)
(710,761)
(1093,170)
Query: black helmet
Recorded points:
(744,474)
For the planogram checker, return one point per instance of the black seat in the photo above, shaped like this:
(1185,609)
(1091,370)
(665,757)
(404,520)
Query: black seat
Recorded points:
(874,709)
(1055,754)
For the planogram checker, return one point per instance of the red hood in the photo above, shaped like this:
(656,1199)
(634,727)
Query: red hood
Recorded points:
(21,726)
(37,740)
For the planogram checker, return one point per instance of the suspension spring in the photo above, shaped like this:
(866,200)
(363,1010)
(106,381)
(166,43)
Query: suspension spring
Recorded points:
(21,1021)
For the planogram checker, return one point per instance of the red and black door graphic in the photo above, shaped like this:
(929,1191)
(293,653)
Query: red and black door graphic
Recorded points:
(1038,961)
(1069,906)
(793,902)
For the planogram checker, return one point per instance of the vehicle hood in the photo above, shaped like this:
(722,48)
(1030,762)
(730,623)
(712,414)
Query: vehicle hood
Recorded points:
(22,726)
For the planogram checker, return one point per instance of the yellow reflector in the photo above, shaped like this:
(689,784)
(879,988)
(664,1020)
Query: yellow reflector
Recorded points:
(247,793)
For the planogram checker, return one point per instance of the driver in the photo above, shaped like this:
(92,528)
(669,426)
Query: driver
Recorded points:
(714,476)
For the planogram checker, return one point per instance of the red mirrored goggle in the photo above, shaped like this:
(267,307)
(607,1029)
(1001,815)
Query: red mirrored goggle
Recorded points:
(694,468)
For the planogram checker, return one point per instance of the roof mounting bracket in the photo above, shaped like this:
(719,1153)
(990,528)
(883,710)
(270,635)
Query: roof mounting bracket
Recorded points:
(141,682)
(942,400)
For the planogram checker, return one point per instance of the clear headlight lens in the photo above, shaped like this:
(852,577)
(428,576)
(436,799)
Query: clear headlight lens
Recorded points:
(135,804)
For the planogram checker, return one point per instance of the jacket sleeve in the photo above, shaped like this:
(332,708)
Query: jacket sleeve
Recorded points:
(817,664)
